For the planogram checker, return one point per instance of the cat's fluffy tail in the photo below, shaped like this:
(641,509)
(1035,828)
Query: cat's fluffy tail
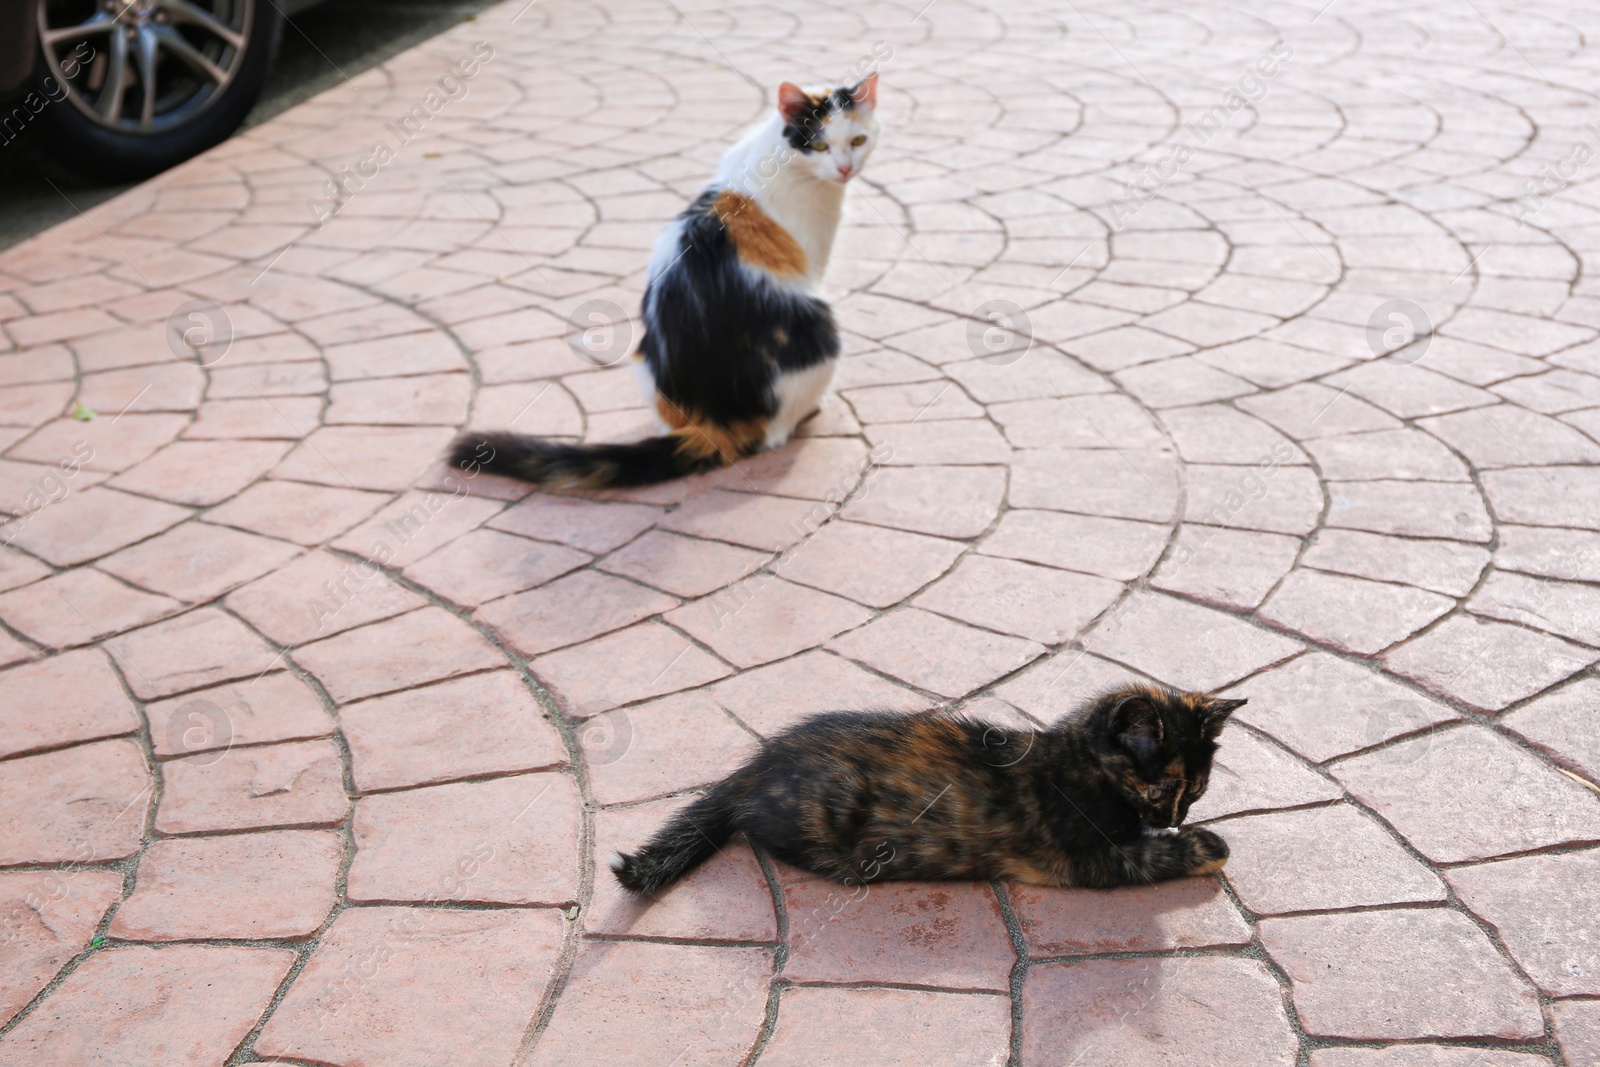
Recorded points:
(688,840)
(558,465)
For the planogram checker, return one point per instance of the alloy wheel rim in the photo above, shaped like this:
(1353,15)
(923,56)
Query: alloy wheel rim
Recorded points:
(144,66)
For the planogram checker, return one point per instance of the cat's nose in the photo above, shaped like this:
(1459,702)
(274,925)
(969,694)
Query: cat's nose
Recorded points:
(845,170)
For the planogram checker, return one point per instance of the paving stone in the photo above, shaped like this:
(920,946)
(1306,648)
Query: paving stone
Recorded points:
(1250,773)
(72,697)
(590,525)
(93,523)
(198,562)
(1187,913)
(319,595)
(771,698)
(724,899)
(49,918)
(1405,454)
(1110,421)
(765,523)
(1546,496)
(203,648)
(418,523)
(84,804)
(642,661)
(1577,1029)
(1218,433)
(1184,644)
(1413,509)
(1569,609)
(1562,724)
(383,458)
(1121,484)
(683,566)
(765,618)
(1351,614)
(1039,603)
(75,607)
(1231,568)
(634,1002)
(934,653)
(300,784)
(286,418)
(907,1027)
(1508,436)
(572,609)
(1323,707)
(1469,794)
(478,725)
(1398,974)
(270,707)
(943,501)
(1311,410)
(423,400)
(1485,664)
(18,570)
(503,841)
(1113,548)
(426,645)
(1423,1056)
(201,473)
(1278,499)
(1566,554)
(410,985)
(872,565)
(293,511)
(964,442)
(1448,567)
(246,886)
(664,746)
(1185,1012)
(137,1004)
(1315,859)
(934,935)
(1542,908)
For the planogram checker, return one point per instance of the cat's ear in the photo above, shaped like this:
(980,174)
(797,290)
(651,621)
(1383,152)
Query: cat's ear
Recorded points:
(1137,727)
(1214,715)
(865,92)
(792,101)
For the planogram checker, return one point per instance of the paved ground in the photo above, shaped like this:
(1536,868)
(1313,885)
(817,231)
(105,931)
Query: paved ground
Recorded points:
(266,800)
(320,48)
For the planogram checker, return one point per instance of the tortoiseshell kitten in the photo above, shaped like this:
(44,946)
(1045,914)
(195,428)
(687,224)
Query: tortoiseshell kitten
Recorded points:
(739,345)
(876,796)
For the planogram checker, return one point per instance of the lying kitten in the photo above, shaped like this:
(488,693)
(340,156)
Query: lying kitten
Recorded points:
(864,796)
(738,343)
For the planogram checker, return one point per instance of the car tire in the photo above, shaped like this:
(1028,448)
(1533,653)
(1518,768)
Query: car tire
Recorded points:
(91,148)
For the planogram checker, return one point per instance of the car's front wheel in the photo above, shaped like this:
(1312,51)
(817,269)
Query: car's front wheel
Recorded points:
(139,85)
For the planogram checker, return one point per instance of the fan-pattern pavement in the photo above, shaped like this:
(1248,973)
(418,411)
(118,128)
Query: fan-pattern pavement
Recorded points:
(312,753)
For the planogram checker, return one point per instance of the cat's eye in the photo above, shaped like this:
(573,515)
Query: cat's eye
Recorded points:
(858,140)
(819,146)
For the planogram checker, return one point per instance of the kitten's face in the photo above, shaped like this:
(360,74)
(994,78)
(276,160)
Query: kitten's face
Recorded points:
(1159,745)
(832,131)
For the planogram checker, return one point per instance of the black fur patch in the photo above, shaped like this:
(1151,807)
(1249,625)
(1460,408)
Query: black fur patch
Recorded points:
(808,126)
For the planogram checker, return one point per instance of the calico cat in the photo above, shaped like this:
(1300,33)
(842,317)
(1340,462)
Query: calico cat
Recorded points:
(738,344)
(875,796)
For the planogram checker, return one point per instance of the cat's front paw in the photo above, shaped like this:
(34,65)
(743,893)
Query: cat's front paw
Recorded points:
(1207,851)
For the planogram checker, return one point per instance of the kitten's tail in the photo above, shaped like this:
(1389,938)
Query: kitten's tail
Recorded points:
(688,840)
(558,465)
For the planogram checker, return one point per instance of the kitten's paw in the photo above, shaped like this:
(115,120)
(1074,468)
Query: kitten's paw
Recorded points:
(1208,852)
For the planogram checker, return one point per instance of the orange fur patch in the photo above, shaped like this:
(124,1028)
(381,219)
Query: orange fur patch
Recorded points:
(757,237)
(705,439)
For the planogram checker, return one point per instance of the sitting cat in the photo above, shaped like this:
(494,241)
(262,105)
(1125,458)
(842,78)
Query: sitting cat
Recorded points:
(874,796)
(738,344)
